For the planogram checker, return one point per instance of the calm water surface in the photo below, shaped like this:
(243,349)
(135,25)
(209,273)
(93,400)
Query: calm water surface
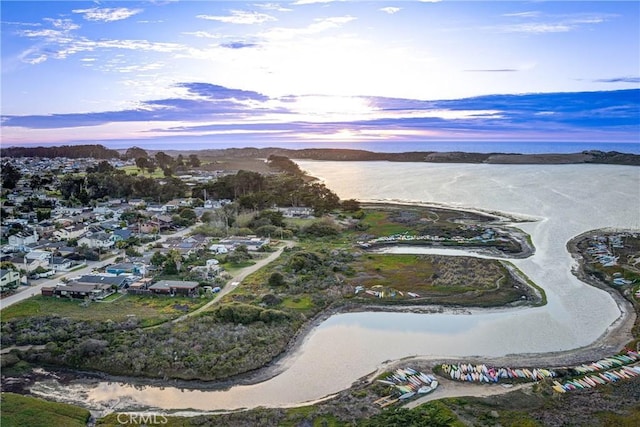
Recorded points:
(563,201)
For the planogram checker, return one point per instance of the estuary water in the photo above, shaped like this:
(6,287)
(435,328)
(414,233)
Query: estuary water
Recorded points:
(560,202)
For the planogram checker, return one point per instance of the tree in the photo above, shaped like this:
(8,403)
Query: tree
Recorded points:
(173,262)
(142,163)
(42,214)
(167,170)
(10,175)
(207,217)
(276,279)
(320,198)
(151,166)
(102,167)
(163,159)
(194,161)
(135,153)
(351,205)
(6,265)
(158,259)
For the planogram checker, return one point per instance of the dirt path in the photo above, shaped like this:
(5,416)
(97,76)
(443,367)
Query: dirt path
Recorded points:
(235,281)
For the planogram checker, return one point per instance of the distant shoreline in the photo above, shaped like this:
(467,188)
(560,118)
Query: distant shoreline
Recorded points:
(339,154)
(590,156)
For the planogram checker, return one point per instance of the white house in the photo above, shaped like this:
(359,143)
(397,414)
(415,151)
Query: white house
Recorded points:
(71,232)
(97,241)
(23,239)
(29,265)
(9,279)
(219,249)
(38,255)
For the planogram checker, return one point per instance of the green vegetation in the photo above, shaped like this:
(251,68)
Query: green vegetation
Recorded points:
(148,310)
(134,170)
(20,411)
(438,279)
(432,414)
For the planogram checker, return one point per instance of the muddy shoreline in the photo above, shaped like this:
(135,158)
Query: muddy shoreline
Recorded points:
(610,342)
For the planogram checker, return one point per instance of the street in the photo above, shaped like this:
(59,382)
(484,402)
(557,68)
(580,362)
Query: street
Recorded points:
(25,292)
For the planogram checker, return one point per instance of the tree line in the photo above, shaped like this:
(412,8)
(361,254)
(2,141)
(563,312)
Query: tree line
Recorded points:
(95,151)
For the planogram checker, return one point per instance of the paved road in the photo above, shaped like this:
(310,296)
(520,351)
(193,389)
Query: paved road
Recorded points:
(235,281)
(29,291)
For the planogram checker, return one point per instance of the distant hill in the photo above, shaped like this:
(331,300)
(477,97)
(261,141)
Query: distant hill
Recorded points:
(611,157)
(71,151)
(339,154)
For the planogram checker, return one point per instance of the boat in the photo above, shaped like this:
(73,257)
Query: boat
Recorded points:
(407,395)
(425,389)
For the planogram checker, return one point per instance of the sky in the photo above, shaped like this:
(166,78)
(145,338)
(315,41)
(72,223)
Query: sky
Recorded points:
(317,71)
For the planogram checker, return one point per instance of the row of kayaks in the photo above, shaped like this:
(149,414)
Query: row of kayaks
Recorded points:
(609,362)
(483,373)
(596,379)
(409,382)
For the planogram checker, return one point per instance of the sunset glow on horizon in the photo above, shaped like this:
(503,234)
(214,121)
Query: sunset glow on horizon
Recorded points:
(304,71)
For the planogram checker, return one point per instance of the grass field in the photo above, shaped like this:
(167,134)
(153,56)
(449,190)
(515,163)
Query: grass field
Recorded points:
(149,309)
(22,411)
(412,219)
(452,280)
(134,170)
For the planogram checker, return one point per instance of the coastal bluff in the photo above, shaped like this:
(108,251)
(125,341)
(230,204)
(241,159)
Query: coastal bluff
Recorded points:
(334,154)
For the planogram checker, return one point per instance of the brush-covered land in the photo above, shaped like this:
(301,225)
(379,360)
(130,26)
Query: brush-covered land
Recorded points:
(328,269)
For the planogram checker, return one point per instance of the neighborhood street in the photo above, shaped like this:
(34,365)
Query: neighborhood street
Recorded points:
(25,292)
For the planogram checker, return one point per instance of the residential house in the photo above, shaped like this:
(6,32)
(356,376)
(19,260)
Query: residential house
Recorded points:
(110,225)
(9,279)
(71,232)
(187,245)
(149,227)
(118,281)
(121,234)
(252,243)
(208,271)
(29,265)
(79,290)
(174,287)
(218,249)
(61,264)
(140,287)
(296,212)
(39,255)
(100,240)
(45,228)
(165,222)
(171,206)
(155,209)
(23,239)
(126,268)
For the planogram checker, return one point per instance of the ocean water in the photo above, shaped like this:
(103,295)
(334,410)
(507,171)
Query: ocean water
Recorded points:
(522,147)
(560,201)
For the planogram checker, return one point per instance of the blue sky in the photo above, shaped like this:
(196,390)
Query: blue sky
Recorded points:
(319,71)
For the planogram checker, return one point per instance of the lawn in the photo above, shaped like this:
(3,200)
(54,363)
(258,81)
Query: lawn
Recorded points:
(298,303)
(20,411)
(149,309)
(134,170)
(380,225)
